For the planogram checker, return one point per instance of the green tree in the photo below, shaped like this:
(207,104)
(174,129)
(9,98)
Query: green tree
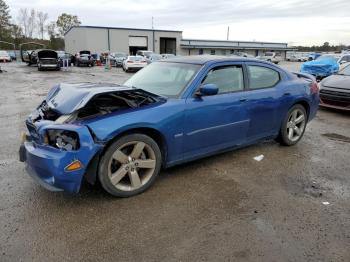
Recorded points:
(4,20)
(65,22)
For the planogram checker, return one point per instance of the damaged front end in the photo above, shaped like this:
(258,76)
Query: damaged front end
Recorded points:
(59,147)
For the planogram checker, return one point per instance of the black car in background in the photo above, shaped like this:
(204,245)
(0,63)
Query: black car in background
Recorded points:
(84,58)
(45,59)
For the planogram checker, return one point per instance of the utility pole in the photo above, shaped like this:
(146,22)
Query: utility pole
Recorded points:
(228,33)
(153,34)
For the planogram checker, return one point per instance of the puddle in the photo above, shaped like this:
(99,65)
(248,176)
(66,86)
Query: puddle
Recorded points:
(337,137)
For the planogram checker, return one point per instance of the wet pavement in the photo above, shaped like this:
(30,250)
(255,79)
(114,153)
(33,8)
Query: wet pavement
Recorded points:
(229,207)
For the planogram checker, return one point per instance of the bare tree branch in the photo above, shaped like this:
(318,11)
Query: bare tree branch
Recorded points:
(41,21)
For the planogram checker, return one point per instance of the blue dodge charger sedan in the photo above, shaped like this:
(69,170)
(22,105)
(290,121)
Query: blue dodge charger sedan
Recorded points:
(168,113)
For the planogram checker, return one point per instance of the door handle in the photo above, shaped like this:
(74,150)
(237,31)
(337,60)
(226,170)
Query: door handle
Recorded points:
(243,99)
(286,94)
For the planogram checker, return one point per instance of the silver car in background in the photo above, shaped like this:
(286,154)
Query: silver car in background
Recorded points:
(272,57)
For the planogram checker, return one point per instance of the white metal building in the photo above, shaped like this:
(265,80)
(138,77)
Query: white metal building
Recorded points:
(222,47)
(129,40)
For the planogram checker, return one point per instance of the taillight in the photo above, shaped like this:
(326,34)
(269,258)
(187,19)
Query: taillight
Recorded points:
(314,88)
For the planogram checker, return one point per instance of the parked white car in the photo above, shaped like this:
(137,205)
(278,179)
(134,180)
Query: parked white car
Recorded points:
(4,56)
(297,58)
(271,57)
(134,63)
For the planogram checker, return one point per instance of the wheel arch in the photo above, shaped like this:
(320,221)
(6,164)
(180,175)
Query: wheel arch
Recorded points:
(91,171)
(305,104)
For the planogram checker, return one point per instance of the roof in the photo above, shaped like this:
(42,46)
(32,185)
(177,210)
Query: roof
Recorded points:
(232,44)
(121,28)
(232,41)
(203,59)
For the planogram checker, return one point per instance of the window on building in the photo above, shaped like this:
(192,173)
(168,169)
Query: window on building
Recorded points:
(232,51)
(212,52)
(262,77)
(223,52)
(228,78)
(200,51)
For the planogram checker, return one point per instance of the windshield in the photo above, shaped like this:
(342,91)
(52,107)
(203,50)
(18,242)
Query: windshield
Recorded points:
(166,79)
(135,58)
(345,71)
(268,54)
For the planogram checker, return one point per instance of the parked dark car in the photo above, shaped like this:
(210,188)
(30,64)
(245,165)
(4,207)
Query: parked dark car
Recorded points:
(119,57)
(46,59)
(84,58)
(172,111)
(335,90)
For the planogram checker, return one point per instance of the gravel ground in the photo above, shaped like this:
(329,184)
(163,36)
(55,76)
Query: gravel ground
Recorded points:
(224,208)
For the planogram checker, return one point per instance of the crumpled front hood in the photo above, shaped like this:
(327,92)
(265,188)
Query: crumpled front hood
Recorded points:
(337,81)
(66,98)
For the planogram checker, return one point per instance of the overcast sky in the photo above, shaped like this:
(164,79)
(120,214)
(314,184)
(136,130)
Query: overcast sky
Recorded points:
(304,22)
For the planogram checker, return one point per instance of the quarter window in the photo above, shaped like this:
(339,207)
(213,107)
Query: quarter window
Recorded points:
(212,52)
(228,78)
(262,77)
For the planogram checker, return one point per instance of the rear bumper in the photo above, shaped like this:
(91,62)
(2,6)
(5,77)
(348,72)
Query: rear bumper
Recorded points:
(49,66)
(136,67)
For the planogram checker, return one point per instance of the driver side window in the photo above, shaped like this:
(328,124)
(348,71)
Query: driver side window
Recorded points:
(227,78)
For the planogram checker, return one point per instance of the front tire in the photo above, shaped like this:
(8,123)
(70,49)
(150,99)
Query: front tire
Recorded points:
(293,126)
(130,165)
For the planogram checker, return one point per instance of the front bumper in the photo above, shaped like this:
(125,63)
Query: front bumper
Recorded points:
(335,99)
(46,164)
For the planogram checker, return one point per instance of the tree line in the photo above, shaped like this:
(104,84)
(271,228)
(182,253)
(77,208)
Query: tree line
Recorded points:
(326,47)
(32,25)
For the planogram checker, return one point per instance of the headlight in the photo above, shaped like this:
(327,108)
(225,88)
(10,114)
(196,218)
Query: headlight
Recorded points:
(63,139)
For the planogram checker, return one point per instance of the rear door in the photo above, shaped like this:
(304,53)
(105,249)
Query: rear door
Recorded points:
(218,121)
(264,98)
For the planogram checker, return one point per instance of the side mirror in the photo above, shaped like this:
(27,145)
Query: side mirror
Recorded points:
(207,90)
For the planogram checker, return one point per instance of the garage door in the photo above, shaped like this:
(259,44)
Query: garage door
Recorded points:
(138,41)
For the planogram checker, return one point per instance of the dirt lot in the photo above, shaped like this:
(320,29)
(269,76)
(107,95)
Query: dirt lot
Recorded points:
(223,208)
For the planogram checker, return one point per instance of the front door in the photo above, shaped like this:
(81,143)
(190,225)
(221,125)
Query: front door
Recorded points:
(218,121)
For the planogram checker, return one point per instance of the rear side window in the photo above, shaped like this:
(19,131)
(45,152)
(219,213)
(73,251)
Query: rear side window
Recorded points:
(228,79)
(262,77)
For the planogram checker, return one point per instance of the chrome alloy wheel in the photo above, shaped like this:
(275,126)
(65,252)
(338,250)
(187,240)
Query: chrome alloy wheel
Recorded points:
(131,166)
(296,124)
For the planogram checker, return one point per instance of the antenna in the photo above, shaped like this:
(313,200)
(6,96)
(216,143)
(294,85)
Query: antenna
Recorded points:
(228,32)
(152,22)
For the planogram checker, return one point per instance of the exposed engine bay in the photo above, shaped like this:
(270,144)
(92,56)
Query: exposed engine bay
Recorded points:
(100,104)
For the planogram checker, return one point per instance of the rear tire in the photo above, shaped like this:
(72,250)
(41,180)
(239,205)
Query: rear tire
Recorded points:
(130,165)
(293,126)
